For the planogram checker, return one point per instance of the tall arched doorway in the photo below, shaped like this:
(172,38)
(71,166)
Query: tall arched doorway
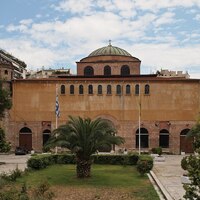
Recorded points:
(144,138)
(25,138)
(185,142)
(46,136)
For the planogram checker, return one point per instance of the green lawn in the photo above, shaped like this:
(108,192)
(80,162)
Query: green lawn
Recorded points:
(125,182)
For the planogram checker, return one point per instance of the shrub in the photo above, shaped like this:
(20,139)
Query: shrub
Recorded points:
(144,164)
(15,174)
(40,162)
(12,176)
(184,163)
(42,191)
(157,150)
(133,158)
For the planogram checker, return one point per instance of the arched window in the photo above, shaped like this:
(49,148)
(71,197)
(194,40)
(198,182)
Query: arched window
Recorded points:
(137,89)
(71,89)
(146,89)
(90,89)
(6,72)
(88,71)
(109,89)
(128,89)
(62,89)
(144,138)
(125,70)
(99,89)
(46,136)
(118,89)
(107,70)
(164,138)
(80,89)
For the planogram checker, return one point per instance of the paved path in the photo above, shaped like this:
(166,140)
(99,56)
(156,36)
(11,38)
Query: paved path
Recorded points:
(169,174)
(12,162)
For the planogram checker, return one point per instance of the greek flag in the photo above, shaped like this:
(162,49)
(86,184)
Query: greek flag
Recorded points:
(57,107)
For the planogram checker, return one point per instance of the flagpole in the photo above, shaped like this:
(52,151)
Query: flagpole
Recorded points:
(139,120)
(56,150)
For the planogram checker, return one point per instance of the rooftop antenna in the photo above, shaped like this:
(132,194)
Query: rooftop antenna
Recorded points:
(109,42)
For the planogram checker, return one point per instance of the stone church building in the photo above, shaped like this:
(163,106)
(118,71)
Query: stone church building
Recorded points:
(108,84)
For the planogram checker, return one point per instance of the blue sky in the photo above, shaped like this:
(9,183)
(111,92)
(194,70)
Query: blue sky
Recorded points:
(163,34)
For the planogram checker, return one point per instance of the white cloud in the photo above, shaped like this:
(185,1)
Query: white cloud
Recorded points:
(197,17)
(26,21)
(165,18)
(21,28)
(33,55)
(88,25)
(74,6)
(155,5)
(157,56)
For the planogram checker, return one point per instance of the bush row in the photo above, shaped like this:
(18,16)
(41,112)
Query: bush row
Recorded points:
(42,161)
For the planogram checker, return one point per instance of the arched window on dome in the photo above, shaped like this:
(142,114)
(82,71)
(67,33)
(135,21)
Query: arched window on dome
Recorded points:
(109,89)
(118,89)
(88,71)
(107,70)
(62,89)
(128,89)
(90,89)
(71,89)
(100,89)
(125,70)
(146,89)
(80,89)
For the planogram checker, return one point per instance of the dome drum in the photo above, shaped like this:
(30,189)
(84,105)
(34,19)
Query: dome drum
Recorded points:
(114,57)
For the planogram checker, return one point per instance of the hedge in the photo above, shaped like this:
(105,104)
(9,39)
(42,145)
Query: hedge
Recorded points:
(42,161)
(129,159)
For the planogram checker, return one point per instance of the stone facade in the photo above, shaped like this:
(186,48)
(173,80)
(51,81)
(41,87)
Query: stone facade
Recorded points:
(171,105)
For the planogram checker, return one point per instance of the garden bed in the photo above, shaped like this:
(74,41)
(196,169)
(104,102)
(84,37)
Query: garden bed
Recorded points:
(107,182)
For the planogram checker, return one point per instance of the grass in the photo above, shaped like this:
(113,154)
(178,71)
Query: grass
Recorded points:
(107,182)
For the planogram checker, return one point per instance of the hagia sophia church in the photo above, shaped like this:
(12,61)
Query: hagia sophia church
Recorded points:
(108,84)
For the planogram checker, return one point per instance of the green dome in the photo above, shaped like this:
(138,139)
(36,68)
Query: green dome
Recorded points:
(110,50)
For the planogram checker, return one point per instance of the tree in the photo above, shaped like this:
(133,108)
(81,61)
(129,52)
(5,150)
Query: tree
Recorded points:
(192,165)
(4,146)
(84,137)
(5,101)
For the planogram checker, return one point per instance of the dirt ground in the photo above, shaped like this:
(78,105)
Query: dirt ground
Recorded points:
(70,193)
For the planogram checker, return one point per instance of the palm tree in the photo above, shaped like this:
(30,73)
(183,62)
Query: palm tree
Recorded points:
(84,137)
